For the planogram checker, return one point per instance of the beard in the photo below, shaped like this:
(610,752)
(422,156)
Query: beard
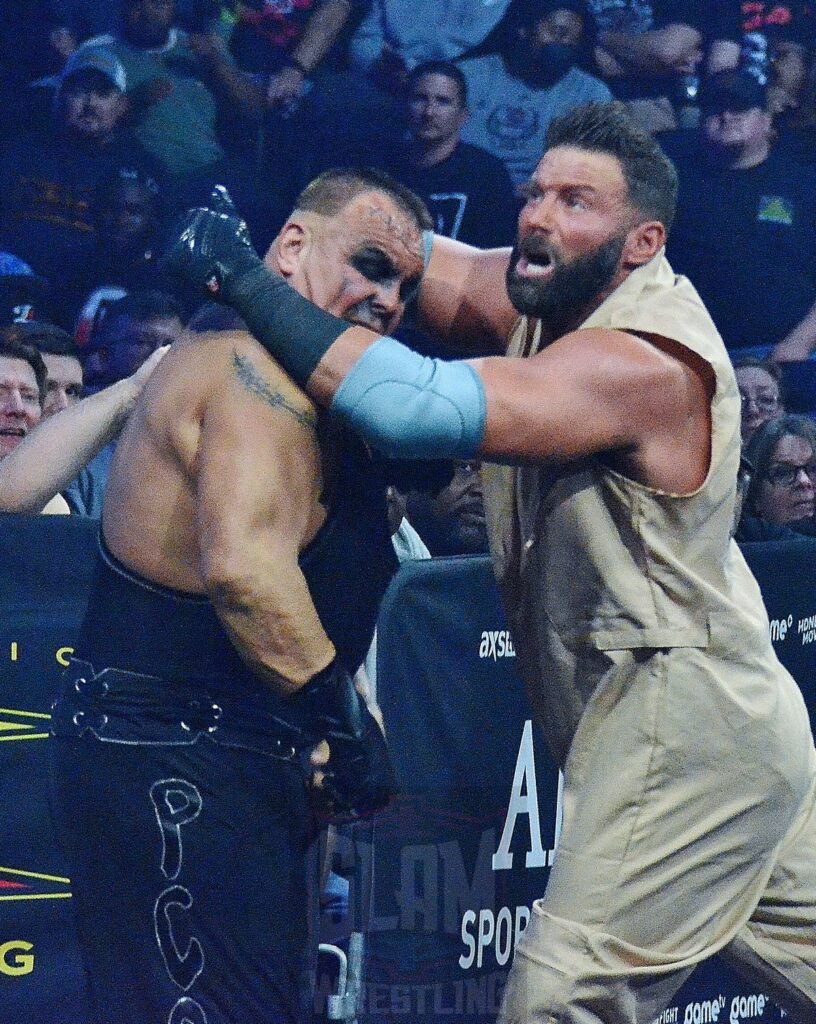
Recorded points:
(563,298)
(542,66)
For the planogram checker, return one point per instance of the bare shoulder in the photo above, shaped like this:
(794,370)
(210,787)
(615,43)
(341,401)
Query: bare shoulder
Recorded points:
(208,370)
(261,379)
(640,368)
(596,391)
(653,397)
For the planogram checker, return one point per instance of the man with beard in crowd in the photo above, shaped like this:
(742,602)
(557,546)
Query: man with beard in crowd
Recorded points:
(235,595)
(689,825)
(530,70)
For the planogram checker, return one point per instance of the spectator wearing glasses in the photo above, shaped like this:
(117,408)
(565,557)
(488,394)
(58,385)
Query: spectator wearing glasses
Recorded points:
(760,387)
(782,492)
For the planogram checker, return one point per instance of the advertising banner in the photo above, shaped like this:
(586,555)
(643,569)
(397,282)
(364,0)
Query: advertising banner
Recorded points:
(459,859)
(443,882)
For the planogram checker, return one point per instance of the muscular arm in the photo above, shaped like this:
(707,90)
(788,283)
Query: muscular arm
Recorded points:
(258,473)
(463,299)
(591,392)
(413,407)
(51,456)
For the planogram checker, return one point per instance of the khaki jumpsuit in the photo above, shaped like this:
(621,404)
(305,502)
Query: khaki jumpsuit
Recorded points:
(689,823)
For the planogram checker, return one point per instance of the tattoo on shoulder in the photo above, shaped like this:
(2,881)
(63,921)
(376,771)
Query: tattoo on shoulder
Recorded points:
(256,385)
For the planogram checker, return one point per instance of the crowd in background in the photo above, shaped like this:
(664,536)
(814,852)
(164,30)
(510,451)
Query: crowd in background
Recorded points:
(115,115)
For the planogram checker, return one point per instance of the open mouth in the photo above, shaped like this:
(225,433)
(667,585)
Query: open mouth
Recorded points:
(535,265)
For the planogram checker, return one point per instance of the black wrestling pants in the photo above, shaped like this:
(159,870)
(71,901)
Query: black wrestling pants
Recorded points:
(186,828)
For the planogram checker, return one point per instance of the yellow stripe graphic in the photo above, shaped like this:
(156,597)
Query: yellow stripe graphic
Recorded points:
(17,872)
(41,896)
(24,714)
(20,729)
(33,874)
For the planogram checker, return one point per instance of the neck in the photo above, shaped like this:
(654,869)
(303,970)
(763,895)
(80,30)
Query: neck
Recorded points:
(551,332)
(521,70)
(76,139)
(430,155)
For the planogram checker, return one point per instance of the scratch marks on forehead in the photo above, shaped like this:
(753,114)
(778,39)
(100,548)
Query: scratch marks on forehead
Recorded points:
(386,226)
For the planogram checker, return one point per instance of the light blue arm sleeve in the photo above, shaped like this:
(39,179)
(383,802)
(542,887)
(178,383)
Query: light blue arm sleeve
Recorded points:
(410,406)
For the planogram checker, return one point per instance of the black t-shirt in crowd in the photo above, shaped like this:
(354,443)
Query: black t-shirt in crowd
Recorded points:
(470,195)
(747,241)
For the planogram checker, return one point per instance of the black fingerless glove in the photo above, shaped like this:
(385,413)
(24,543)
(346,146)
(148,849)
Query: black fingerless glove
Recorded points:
(359,777)
(210,249)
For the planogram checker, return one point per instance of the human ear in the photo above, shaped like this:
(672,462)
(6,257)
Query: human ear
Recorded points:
(643,242)
(288,249)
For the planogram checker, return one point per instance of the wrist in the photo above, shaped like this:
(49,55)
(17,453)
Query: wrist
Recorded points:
(245,278)
(327,680)
(122,395)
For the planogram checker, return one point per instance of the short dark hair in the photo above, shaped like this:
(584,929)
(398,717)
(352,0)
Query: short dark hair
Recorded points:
(333,190)
(440,67)
(109,185)
(759,450)
(12,348)
(774,371)
(48,338)
(651,178)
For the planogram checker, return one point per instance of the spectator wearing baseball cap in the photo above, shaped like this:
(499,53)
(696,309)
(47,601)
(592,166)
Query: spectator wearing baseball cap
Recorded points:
(93,69)
(745,232)
(48,178)
(732,90)
(23,295)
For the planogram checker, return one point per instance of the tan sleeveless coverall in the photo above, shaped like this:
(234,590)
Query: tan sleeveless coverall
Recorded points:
(689,823)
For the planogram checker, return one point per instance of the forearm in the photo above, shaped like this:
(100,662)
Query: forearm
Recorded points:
(800,343)
(321,33)
(52,455)
(368,42)
(658,52)
(265,606)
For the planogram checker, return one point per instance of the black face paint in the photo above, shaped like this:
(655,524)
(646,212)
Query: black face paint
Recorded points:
(376,267)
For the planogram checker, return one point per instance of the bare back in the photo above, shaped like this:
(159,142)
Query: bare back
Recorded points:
(151,519)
